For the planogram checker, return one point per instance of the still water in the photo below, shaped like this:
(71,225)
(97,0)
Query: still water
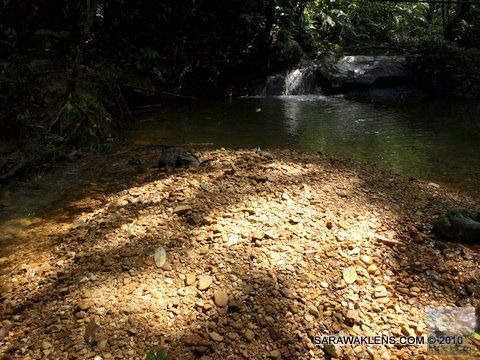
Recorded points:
(437,141)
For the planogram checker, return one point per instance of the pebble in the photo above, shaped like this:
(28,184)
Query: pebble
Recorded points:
(300,281)
(312,310)
(84,304)
(182,209)
(288,293)
(350,275)
(190,279)
(380,291)
(276,354)
(353,316)
(274,333)
(333,350)
(181,292)
(220,298)
(372,269)
(269,309)
(258,235)
(249,335)
(215,336)
(204,282)
(160,256)
(367,260)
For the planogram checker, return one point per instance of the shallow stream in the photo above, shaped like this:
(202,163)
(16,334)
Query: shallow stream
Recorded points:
(437,141)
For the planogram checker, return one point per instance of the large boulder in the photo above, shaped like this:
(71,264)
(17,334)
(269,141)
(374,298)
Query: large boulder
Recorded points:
(274,86)
(460,225)
(354,71)
(177,157)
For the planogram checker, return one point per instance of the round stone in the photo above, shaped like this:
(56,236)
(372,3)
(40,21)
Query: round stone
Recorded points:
(204,282)
(249,335)
(220,298)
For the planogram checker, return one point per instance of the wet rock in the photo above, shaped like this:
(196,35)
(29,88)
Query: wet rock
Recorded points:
(176,157)
(364,70)
(458,224)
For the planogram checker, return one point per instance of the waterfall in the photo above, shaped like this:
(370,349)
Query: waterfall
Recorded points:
(300,81)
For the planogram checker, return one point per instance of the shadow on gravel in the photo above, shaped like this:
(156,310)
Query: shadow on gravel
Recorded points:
(270,233)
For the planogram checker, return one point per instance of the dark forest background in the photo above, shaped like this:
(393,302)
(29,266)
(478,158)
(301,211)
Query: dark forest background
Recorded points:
(71,71)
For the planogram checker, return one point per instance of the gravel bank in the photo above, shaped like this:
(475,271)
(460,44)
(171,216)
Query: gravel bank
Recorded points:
(263,252)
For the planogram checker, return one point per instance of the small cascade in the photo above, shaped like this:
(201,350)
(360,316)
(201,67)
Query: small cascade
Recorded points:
(300,81)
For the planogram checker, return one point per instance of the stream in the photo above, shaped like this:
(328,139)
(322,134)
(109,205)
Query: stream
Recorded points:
(436,141)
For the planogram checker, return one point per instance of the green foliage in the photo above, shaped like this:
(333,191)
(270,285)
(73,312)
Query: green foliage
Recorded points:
(49,39)
(8,40)
(156,354)
(61,64)
(285,53)
(47,147)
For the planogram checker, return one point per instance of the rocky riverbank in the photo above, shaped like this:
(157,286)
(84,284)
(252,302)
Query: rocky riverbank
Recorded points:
(379,78)
(264,250)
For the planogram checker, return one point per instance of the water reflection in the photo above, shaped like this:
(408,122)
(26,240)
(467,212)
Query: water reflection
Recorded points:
(437,141)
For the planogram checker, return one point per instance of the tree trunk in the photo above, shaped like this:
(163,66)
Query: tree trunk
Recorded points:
(431,13)
(91,9)
(265,38)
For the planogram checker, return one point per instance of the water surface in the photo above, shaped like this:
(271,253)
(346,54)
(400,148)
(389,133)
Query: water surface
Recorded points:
(436,141)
